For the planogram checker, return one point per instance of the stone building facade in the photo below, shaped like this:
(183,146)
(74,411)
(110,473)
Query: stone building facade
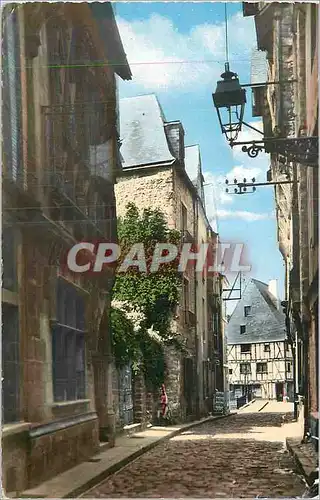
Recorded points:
(60,159)
(160,172)
(288,35)
(259,357)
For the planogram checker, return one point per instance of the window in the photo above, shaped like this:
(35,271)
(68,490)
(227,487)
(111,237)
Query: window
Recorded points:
(230,371)
(287,347)
(68,344)
(245,368)
(242,329)
(266,347)
(10,363)
(184,218)
(9,276)
(245,348)
(247,310)
(289,367)
(262,368)
(186,294)
(205,367)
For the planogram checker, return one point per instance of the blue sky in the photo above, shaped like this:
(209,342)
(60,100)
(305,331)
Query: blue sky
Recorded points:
(177,51)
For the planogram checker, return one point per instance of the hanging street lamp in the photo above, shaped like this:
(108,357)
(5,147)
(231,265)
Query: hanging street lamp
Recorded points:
(229,100)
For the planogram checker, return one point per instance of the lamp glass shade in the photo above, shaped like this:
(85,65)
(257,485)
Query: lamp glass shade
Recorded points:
(229,93)
(229,100)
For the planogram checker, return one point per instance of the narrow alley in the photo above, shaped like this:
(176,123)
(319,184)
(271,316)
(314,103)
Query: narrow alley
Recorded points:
(239,456)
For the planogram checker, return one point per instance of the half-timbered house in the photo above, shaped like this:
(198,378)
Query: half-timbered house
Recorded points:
(259,356)
(60,160)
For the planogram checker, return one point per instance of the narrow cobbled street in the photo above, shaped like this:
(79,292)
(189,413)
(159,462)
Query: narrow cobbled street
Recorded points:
(239,456)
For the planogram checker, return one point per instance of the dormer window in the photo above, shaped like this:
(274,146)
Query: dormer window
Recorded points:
(247,310)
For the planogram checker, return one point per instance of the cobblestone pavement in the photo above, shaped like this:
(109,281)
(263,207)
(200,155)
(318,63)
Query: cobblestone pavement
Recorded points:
(241,456)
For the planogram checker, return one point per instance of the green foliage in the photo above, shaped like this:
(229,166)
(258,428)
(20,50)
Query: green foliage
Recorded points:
(125,342)
(156,294)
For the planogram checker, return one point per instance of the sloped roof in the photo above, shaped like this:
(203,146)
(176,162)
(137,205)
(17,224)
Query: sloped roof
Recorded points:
(265,323)
(269,298)
(142,133)
(109,32)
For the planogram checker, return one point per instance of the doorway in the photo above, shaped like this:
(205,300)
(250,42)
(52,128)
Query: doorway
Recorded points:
(279,391)
(125,395)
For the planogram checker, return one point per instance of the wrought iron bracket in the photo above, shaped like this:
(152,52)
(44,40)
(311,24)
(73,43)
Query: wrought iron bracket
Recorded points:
(242,187)
(303,150)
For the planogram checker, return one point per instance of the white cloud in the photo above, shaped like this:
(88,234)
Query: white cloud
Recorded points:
(217,198)
(240,172)
(244,215)
(162,57)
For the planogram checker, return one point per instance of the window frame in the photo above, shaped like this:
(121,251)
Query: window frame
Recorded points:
(184,217)
(242,329)
(248,372)
(263,365)
(186,294)
(245,310)
(242,346)
(68,331)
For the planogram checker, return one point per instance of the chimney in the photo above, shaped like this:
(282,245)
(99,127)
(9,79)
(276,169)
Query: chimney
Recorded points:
(273,290)
(175,137)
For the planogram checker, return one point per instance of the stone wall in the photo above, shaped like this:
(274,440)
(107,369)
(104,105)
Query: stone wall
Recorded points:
(58,450)
(313,353)
(174,382)
(164,189)
(14,461)
(139,399)
(150,189)
(33,345)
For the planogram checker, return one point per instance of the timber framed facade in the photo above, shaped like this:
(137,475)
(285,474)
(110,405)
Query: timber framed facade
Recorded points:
(260,358)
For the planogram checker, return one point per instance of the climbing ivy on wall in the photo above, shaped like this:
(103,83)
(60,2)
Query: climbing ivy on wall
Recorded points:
(143,301)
